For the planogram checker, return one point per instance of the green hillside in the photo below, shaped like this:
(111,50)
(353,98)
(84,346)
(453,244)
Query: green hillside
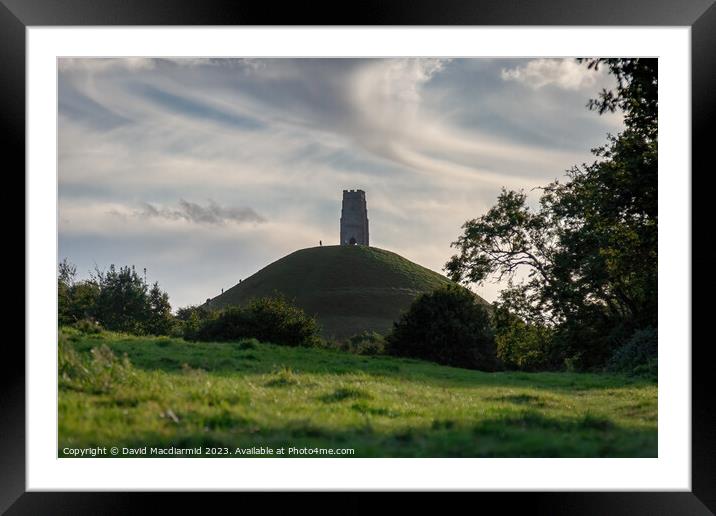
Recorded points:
(347,288)
(238,395)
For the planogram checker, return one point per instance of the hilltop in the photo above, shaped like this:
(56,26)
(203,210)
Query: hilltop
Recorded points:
(349,289)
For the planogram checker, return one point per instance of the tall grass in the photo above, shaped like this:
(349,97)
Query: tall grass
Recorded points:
(121,390)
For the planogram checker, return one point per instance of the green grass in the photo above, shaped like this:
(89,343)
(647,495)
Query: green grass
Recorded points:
(250,394)
(349,289)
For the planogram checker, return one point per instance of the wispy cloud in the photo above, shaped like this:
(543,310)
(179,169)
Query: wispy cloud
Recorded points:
(562,73)
(96,65)
(273,142)
(212,213)
(195,108)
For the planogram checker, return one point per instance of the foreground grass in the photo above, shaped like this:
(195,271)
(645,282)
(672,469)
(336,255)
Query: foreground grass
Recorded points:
(250,394)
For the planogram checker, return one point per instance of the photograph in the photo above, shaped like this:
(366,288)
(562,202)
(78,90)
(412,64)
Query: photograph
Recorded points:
(345,257)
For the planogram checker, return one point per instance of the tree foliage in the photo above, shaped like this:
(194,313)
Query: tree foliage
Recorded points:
(123,301)
(76,300)
(447,326)
(524,346)
(160,320)
(119,299)
(588,253)
(638,356)
(269,319)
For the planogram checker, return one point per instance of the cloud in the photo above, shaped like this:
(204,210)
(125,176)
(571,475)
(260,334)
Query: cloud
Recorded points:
(273,142)
(104,64)
(78,106)
(212,213)
(196,109)
(566,74)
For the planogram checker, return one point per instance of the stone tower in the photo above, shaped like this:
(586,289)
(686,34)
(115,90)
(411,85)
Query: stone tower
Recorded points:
(354,218)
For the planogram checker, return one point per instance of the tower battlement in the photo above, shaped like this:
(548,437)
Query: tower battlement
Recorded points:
(354,218)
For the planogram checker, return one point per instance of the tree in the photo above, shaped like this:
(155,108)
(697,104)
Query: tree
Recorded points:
(84,300)
(66,273)
(589,250)
(118,299)
(65,280)
(76,300)
(123,303)
(508,239)
(193,311)
(447,326)
(160,320)
(523,346)
(609,209)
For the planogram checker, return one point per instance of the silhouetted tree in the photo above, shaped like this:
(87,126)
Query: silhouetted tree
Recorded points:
(590,249)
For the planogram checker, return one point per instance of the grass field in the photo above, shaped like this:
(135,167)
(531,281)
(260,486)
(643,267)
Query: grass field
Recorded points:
(249,394)
(349,289)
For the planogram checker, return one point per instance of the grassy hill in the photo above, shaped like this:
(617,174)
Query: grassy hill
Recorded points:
(348,288)
(248,394)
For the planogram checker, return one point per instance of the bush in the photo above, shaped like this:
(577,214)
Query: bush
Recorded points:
(192,312)
(266,319)
(190,320)
(639,356)
(587,339)
(447,326)
(366,343)
(88,326)
(177,329)
(96,373)
(523,346)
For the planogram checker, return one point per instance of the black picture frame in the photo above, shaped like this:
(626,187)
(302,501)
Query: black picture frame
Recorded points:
(700,15)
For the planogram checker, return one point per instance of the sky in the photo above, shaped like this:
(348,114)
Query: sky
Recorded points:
(204,171)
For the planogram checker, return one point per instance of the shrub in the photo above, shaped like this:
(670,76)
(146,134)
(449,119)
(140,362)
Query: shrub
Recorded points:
(324,343)
(447,326)
(88,326)
(247,344)
(190,320)
(266,319)
(590,336)
(523,346)
(193,311)
(96,373)
(177,329)
(638,356)
(365,343)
